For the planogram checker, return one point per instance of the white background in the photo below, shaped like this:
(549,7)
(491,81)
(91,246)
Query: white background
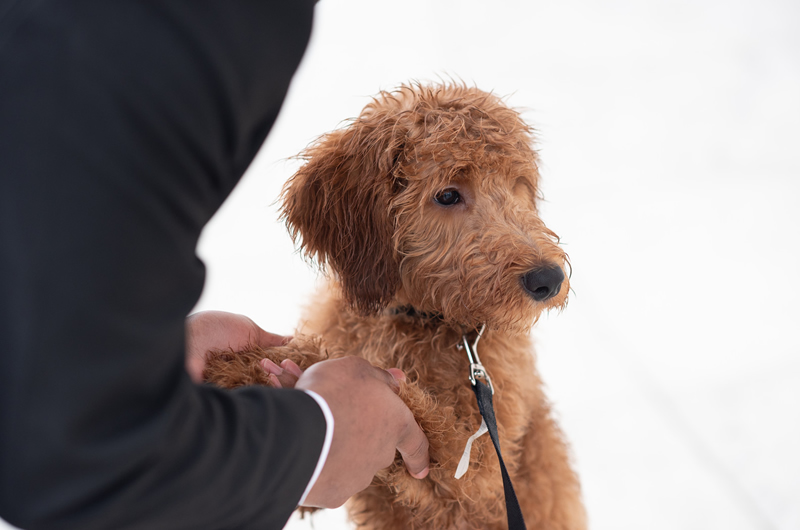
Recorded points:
(670,136)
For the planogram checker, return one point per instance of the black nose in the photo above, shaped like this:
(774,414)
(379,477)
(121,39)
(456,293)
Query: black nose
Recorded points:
(543,283)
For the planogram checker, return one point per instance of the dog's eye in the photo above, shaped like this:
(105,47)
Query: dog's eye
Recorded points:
(448,197)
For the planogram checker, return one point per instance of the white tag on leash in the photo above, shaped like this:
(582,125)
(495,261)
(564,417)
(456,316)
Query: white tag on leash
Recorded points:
(463,465)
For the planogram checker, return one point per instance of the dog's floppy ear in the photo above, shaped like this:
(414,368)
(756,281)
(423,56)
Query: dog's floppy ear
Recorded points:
(337,205)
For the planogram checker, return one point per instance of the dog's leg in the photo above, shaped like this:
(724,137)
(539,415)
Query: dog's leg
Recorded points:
(395,500)
(229,369)
(548,489)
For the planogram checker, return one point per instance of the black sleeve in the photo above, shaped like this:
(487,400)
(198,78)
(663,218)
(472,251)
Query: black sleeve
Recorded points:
(123,127)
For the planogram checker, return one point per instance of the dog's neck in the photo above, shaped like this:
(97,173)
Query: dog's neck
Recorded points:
(409,311)
(402,309)
(411,314)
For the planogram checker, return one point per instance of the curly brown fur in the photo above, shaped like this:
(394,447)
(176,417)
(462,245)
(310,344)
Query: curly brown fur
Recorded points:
(410,276)
(230,369)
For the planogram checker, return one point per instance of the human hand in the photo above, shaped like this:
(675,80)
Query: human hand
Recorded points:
(283,376)
(218,330)
(287,373)
(370,423)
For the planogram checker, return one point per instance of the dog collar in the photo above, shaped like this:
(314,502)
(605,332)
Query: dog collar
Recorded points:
(412,312)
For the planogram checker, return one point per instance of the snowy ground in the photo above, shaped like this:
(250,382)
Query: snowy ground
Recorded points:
(670,135)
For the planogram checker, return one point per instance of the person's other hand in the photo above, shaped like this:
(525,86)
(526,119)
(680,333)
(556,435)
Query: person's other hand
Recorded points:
(370,423)
(218,330)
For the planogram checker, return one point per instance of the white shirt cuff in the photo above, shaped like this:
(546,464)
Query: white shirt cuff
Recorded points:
(326,445)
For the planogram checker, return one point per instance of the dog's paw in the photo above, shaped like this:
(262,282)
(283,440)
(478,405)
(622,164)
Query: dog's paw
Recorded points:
(230,369)
(278,367)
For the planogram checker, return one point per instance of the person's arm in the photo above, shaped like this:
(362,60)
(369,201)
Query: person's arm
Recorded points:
(125,125)
(366,421)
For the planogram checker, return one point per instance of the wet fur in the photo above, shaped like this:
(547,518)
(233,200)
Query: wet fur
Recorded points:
(408,277)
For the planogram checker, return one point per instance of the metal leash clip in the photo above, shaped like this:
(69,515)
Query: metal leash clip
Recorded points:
(476,369)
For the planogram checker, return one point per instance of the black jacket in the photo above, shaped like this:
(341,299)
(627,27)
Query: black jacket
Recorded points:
(123,127)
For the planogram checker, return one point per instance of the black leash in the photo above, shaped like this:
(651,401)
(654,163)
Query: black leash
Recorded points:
(483,393)
(513,512)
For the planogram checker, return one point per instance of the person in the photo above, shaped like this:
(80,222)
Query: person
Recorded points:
(123,127)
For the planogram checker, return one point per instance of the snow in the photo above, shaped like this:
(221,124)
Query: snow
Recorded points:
(669,132)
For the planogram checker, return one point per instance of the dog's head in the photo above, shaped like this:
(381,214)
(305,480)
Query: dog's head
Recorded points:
(428,198)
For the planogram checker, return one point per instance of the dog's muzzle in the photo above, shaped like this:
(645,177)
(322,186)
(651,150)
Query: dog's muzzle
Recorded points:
(543,283)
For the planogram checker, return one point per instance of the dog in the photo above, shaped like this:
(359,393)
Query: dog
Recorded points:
(423,210)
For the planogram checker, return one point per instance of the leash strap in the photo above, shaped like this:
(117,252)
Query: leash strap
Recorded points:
(483,393)
(513,512)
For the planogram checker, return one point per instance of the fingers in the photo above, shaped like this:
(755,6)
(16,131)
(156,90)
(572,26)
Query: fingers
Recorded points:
(413,447)
(397,374)
(291,367)
(283,376)
(413,444)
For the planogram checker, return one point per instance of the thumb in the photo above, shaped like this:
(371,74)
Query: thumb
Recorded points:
(397,375)
(265,339)
(413,447)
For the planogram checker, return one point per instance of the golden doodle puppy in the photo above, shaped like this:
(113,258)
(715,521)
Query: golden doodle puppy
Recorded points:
(424,212)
